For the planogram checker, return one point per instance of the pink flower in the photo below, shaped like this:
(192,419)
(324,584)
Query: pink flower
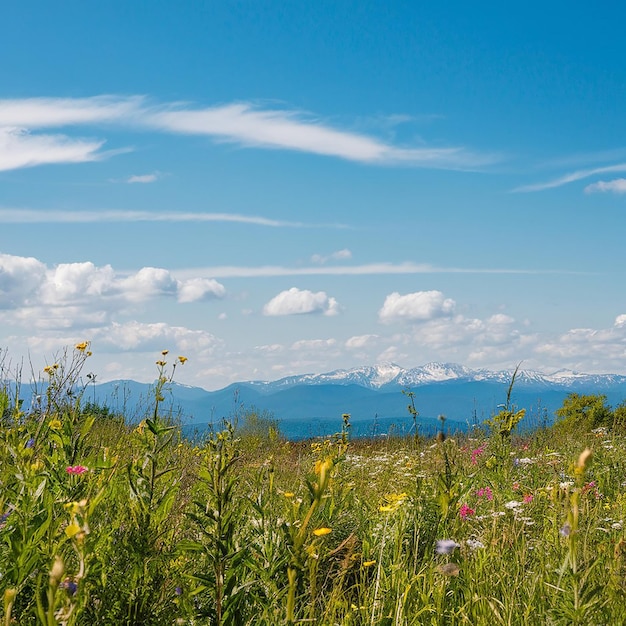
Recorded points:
(485,492)
(528,497)
(76,470)
(516,486)
(465,511)
(476,453)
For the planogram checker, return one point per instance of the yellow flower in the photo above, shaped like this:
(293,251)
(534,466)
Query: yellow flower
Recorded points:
(164,352)
(161,363)
(55,424)
(320,532)
(82,346)
(368,563)
(289,494)
(182,359)
(71,530)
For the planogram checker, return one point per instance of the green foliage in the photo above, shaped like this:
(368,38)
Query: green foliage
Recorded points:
(104,523)
(586,412)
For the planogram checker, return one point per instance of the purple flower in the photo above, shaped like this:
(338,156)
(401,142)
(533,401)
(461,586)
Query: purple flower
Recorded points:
(30,443)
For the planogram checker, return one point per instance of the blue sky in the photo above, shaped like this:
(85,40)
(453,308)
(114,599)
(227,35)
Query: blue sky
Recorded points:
(280,188)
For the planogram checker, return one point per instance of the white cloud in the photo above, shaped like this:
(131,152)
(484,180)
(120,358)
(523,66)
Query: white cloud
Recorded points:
(58,112)
(18,149)
(360,341)
(139,337)
(370,269)
(340,255)
(149,282)
(296,301)
(76,282)
(415,307)
(33,216)
(241,123)
(20,278)
(313,344)
(142,178)
(69,294)
(615,186)
(197,289)
(572,177)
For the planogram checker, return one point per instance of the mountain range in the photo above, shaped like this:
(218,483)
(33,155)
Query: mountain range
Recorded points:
(312,404)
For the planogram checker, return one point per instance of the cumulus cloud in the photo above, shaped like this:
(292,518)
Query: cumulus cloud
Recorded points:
(590,345)
(197,289)
(70,293)
(20,279)
(614,186)
(296,301)
(419,306)
(339,255)
(140,337)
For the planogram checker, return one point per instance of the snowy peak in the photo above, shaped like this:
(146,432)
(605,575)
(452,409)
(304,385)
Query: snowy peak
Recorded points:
(391,375)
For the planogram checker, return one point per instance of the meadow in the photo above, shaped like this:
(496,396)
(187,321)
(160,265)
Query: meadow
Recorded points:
(110,523)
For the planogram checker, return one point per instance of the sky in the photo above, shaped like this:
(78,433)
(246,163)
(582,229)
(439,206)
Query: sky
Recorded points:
(276,188)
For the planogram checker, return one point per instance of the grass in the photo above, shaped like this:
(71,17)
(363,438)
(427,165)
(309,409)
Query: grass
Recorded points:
(103,522)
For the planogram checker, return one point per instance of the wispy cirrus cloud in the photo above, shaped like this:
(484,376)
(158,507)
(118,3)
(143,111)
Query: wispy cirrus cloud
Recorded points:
(369,269)
(572,177)
(242,123)
(38,216)
(20,149)
(142,178)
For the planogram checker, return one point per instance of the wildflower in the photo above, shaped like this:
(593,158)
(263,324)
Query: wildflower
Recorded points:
(76,470)
(446,546)
(178,591)
(368,563)
(161,363)
(485,492)
(474,544)
(182,359)
(516,486)
(450,569)
(30,443)
(466,511)
(164,352)
(566,530)
(55,424)
(3,519)
(82,346)
(476,453)
(71,530)
(70,586)
(320,532)
(512,505)
(289,494)
(528,498)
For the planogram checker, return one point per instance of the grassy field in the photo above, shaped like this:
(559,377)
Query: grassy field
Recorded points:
(102,522)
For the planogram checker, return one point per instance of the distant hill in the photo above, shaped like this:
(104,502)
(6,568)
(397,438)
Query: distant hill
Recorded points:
(313,403)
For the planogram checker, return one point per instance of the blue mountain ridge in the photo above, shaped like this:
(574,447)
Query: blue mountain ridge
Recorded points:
(313,404)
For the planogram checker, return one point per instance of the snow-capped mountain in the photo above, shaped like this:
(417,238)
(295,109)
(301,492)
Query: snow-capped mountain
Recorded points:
(388,375)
